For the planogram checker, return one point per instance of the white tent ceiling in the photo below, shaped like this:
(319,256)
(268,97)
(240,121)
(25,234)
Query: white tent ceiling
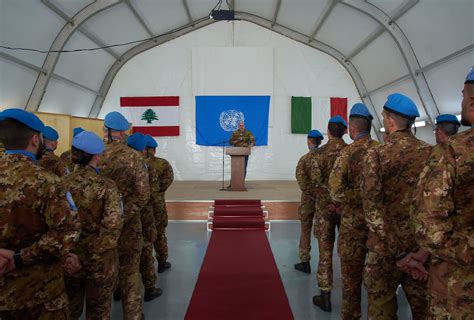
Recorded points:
(420,47)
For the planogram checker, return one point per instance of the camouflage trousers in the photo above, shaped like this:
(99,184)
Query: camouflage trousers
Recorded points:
(325,231)
(96,282)
(147,266)
(53,310)
(129,250)
(306,211)
(438,290)
(382,278)
(161,243)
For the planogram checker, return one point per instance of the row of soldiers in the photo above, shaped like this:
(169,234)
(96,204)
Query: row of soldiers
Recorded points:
(78,229)
(404,210)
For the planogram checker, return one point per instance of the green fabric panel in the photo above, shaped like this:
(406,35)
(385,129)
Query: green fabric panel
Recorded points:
(300,114)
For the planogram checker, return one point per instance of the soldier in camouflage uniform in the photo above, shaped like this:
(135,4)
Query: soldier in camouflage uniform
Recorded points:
(307,205)
(126,167)
(242,138)
(445,217)
(165,176)
(327,216)
(388,187)
(100,212)
(137,142)
(2,148)
(447,125)
(50,161)
(344,186)
(38,226)
(66,157)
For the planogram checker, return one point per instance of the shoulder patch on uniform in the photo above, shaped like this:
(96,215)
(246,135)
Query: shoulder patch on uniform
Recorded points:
(70,200)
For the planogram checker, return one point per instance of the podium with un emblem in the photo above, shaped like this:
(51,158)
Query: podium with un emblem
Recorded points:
(237,165)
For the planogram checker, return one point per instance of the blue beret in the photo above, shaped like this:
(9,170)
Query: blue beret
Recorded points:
(116,121)
(338,119)
(27,118)
(470,76)
(315,134)
(137,141)
(76,131)
(447,118)
(150,142)
(50,134)
(88,142)
(401,105)
(361,111)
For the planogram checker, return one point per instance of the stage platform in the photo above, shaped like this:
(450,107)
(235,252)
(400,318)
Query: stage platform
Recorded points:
(189,200)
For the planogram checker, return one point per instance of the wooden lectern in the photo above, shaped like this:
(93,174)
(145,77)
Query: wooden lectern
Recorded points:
(237,164)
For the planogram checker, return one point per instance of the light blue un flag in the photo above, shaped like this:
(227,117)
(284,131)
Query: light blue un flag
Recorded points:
(218,116)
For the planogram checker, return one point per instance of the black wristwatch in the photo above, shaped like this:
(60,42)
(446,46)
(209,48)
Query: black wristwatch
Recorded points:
(17,259)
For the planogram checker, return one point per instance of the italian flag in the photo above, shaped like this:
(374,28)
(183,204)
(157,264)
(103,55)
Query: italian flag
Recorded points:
(156,116)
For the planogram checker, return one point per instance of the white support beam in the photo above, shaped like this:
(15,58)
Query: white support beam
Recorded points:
(33,67)
(188,12)
(139,17)
(86,33)
(275,14)
(426,97)
(399,12)
(302,38)
(322,18)
(59,42)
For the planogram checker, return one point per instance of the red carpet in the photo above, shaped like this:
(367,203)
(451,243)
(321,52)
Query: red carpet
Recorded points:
(239,278)
(238,202)
(221,211)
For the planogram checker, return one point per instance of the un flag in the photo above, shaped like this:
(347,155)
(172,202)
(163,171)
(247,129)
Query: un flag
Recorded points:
(218,116)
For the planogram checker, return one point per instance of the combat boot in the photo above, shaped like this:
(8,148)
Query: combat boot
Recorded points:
(323,301)
(163,266)
(153,293)
(303,267)
(117,295)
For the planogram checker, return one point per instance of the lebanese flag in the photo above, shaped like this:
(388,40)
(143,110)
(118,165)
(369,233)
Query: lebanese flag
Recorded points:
(156,116)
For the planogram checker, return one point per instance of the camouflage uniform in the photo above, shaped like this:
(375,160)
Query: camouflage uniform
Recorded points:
(126,167)
(445,226)
(388,189)
(100,213)
(326,220)
(241,139)
(344,186)
(307,205)
(66,158)
(53,163)
(165,177)
(36,220)
(2,148)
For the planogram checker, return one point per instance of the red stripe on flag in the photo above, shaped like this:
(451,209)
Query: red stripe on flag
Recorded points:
(158,131)
(164,101)
(339,107)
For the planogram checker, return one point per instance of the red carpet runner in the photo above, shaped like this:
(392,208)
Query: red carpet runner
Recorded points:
(239,278)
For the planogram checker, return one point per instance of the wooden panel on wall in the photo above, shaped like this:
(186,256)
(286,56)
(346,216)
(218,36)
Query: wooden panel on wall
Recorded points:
(62,124)
(88,124)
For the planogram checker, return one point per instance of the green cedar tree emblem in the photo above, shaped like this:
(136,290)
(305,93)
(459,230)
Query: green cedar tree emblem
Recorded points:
(149,115)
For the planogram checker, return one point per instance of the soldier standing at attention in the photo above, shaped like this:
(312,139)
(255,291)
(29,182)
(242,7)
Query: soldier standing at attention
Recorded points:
(447,125)
(344,186)
(38,225)
(125,166)
(328,217)
(66,155)
(100,212)
(50,161)
(445,219)
(388,187)
(307,204)
(137,142)
(242,138)
(165,176)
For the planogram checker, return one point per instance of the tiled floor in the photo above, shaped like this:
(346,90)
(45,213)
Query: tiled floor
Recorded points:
(188,242)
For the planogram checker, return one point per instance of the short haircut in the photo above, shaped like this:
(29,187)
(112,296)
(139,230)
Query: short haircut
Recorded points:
(80,157)
(337,130)
(449,128)
(15,135)
(315,141)
(360,124)
(401,122)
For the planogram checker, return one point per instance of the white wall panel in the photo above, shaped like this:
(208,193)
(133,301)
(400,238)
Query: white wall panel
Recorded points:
(162,16)
(298,70)
(16,83)
(301,15)
(71,7)
(387,5)
(262,8)
(64,98)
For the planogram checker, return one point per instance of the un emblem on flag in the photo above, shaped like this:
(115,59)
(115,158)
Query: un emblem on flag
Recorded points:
(229,119)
